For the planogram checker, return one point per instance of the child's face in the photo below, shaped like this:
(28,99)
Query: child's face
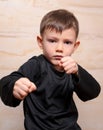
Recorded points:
(57,45)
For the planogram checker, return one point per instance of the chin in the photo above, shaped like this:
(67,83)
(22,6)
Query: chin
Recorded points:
(55,63)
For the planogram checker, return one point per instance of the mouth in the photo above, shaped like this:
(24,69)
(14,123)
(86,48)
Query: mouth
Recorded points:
(58,57)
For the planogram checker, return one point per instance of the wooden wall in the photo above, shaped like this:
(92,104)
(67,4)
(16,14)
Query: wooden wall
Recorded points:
(19,26)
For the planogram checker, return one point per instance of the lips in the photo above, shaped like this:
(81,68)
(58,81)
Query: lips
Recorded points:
(58,57)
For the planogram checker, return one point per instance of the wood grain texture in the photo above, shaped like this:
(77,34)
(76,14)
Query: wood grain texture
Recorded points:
(19,26)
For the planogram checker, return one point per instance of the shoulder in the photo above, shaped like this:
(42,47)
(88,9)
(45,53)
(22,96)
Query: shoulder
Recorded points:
(35,60)
(34,64)
(38,59)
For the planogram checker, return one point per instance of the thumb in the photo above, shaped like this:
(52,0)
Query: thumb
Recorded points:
(32,87)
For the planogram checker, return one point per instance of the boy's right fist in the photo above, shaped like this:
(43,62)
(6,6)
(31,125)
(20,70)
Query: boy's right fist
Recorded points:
(22,88)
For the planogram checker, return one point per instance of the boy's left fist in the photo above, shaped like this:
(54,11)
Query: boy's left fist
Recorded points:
(70,66)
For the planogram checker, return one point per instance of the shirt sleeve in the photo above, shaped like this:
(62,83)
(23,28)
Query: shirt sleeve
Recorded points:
(86,87)
(6,89)
(28,70)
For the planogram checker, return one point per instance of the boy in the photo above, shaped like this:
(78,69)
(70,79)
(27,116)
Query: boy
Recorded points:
(46,82)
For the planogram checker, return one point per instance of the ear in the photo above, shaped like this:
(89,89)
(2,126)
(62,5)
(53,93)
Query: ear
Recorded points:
(77,43)
(39,41)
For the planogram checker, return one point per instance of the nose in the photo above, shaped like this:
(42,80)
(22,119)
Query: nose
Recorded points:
(59,47)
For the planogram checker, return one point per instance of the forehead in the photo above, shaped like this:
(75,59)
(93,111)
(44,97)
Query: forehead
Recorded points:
(67,33)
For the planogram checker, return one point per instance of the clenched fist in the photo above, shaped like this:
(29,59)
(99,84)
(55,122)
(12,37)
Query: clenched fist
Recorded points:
(22,88)
(69,65)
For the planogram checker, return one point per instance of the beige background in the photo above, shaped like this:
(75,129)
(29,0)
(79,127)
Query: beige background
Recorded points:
(19,26)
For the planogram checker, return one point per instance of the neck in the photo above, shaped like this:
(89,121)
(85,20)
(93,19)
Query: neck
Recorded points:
(59,68)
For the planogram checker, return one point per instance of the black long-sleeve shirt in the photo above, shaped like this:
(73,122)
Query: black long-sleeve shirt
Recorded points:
(51,106)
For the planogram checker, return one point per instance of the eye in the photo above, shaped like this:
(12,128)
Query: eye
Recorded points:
(51,40)
(67,42)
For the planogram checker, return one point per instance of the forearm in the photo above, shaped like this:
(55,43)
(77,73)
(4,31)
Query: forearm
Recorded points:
(87,87)
(6,87)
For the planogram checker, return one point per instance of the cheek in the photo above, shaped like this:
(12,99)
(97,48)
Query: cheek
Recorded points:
(47,50)
(69,51)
